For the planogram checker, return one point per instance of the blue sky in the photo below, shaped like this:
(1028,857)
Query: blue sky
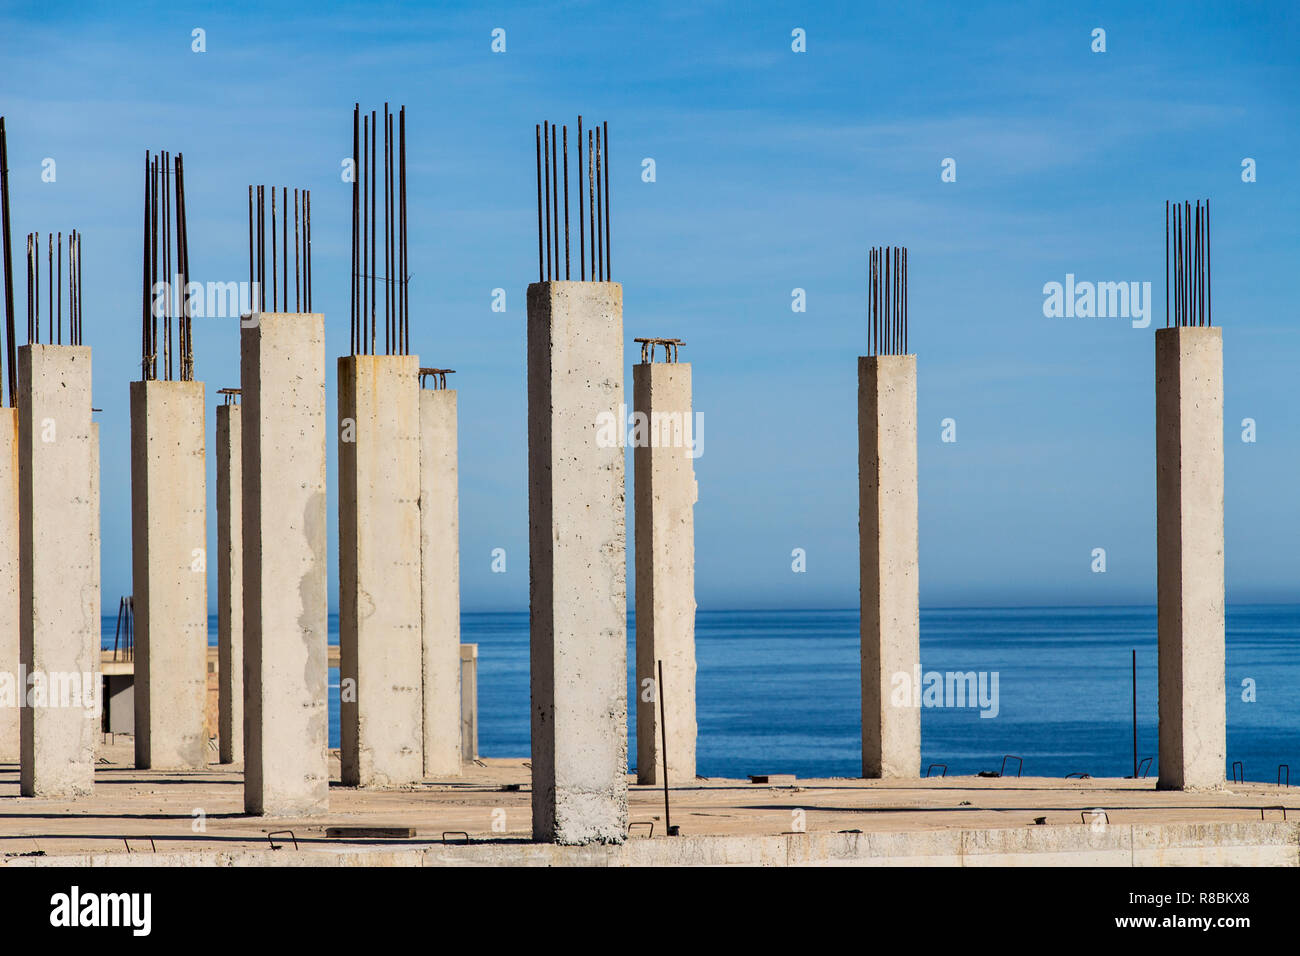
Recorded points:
(775,170)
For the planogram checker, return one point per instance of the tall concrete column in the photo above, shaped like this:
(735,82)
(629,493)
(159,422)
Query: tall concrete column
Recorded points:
(440,582)
(380,647)
(577,563)
(230,587)
(286,610)
(169,573)
(58,541)
(10,692)
(887,534)
(1189,533)
(665,571)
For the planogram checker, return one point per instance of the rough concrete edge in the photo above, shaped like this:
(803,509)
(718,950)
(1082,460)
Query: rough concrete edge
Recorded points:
(1191,844)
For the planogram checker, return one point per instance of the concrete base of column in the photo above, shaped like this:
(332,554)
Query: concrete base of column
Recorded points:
(230,588)
(665,572)
(440,582)
(58,543)
(380,653)
(286,609)
(170,579)
(10,693)
(577,558)
(887,529)
(1189,548)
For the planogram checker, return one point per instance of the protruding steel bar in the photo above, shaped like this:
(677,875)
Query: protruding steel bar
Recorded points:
(582,252)
(297,279)
(608,272)
(356,224)
(566,202)
(275,268)
(374,135)
(591,202)
(363,177)
(600,245)
(388,220)
(405,298)
(546,175)
(541,267)
(555,197)
(307,226)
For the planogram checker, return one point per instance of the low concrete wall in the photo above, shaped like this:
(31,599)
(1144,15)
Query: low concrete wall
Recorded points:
(1195,844)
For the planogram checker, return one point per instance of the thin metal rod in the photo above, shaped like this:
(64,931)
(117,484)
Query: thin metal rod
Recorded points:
(600,245)
(1209,274)
(546,175)
(555,197)
(608,273)
(663,746)
(566,201)
(374,225)
(591,202)
(582,252)
(541,268)
(356,193)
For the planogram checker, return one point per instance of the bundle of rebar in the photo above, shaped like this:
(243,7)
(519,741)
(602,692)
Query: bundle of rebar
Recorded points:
(279,249)
(10,348)
(366,221)
(164,293)
(53,288)
(593,220)
(1187,250)
(887,308)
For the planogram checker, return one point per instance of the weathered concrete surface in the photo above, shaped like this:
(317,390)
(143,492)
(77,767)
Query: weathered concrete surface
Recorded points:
(469,702)
(282,379)
(887,530)
(1189,551)
(169,572)
(577,564)
(440,581)
(9,652)
(230,587)
(58,541)
(950,821)
(666,493)
(379,570)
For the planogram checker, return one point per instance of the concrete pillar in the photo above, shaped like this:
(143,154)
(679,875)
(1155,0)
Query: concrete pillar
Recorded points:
(665,570)
(469,702)
(58,560)
(1189,542)
(230,588)
(169,573)
(577,562)
(440,582)
(887,533)
(380,648)
(10,692)
(286,717)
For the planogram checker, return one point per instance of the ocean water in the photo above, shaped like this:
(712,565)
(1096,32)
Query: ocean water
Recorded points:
(778,691)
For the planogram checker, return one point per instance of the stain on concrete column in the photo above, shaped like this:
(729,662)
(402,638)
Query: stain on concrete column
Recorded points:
(58,564)
(1189,532)
(380,646)
(666,493)
(230,584)
(286,717)
(169,573)
(440,580)
(577,563)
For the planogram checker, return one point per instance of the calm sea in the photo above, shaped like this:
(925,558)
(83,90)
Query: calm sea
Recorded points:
(778,690)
